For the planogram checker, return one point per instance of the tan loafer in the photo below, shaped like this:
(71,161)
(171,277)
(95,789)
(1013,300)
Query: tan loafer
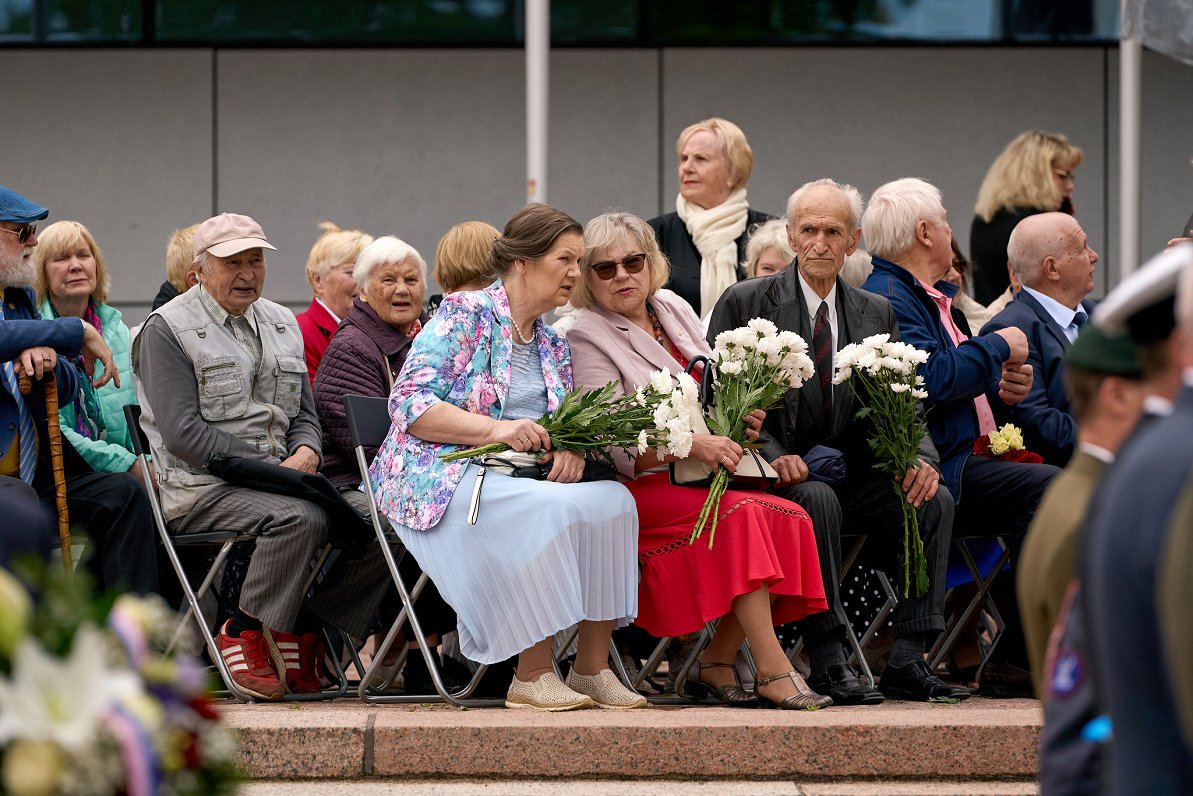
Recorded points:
(605,689)
(547,692)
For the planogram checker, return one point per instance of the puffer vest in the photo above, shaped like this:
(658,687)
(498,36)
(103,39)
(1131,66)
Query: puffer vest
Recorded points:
(254,405)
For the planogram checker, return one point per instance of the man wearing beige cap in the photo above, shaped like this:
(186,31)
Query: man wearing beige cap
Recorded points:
(221,373)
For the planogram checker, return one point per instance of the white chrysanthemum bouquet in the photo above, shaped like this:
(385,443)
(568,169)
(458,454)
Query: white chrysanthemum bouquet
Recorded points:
(657,415)
(882,374)
(755,366)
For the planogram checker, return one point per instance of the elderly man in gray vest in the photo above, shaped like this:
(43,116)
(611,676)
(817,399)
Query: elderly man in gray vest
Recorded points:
(220,371)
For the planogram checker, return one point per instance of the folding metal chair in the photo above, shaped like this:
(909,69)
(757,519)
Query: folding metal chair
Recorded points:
(368,423)
(224,541)
(959,621)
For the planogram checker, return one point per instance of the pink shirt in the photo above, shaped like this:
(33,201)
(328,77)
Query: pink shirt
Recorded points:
(944,306)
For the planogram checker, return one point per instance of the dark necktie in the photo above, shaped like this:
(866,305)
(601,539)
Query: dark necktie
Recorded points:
(822,346)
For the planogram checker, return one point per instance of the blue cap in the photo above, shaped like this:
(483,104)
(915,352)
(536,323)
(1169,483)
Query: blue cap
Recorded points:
(14,207)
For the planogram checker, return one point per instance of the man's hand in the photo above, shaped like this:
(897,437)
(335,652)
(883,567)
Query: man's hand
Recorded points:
(754,421)
(1018,342)
(1015,383)
(791,470)
(920,483)
(37,361)
(95,348)
(304,459)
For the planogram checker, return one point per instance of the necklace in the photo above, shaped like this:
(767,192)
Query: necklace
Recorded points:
(655,326)
(521,338)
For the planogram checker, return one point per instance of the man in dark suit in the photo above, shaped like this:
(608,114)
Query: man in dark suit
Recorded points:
(809,298)
(1052,258)
(114,505)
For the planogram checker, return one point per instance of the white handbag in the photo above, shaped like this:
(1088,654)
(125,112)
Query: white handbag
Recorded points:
(753,472)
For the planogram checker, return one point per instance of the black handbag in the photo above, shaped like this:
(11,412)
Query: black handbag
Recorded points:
(518,466)
(753,472)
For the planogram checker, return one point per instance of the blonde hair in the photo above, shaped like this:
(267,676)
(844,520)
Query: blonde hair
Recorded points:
(180,258)
(333,247)
(609,228)
(1021,176)
(62,237)
(465,254)
(769,235)
(739,158)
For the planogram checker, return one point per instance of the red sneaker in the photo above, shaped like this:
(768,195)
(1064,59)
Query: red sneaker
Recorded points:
(297,659)
(247,659)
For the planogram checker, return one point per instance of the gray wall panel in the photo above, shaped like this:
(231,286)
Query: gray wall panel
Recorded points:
(120,141)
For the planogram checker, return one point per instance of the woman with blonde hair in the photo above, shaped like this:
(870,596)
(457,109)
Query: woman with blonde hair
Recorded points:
(768,251)
(73,281)
(329,270)
(705,238)
(462,259)
(1034,174)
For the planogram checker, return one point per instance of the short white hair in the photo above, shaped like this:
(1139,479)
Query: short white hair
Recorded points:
(889,223)
(856,203)
(768,235)
(386,250)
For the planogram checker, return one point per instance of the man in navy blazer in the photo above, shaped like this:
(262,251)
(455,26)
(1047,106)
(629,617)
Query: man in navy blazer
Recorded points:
(114,505)
(1052,258)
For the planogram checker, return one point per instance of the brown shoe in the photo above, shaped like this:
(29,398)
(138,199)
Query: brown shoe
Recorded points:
(732,695)
(804,698)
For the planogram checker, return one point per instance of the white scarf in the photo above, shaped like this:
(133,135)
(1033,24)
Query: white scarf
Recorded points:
(715,232)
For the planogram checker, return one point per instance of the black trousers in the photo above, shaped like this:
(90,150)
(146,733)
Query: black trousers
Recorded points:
(119,522)
(869,506)
(27,527)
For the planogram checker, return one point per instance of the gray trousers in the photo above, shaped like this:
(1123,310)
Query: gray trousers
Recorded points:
(289,533)
(870,507)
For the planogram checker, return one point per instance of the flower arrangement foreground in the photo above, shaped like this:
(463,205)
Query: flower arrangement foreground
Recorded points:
(1005,444)
(90,705)
(882,374)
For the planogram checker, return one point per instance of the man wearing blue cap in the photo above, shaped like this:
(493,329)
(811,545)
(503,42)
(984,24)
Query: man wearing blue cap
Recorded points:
(119,519)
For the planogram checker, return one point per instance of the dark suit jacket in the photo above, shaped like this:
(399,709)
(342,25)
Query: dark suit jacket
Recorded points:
(800,423)
(1045,415)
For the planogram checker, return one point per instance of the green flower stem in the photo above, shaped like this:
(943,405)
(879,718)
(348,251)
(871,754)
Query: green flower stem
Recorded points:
(711,507)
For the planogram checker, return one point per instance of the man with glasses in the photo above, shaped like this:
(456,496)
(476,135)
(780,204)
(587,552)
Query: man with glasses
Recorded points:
(114,506)
(821,454)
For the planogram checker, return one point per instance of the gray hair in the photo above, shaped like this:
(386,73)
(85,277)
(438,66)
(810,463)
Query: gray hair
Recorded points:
(895,209)
(856,203)
(386,250)
(769,235)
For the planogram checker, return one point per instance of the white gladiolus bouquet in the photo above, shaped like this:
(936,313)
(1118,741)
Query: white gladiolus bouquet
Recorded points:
(882,374)
(657,415)
(755,366)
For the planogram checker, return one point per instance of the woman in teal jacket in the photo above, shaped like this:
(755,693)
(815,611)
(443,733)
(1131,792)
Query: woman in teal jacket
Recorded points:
(72,280)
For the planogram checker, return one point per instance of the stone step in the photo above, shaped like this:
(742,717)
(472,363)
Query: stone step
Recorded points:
(977,740)
(621,787)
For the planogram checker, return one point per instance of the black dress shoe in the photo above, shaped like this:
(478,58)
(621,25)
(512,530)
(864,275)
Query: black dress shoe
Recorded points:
(840,683)
(1004,681)
(915,682)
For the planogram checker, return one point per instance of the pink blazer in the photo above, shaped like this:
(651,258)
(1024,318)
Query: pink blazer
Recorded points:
(607,347)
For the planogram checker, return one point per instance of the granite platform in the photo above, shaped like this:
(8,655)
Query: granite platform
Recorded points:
(980,740)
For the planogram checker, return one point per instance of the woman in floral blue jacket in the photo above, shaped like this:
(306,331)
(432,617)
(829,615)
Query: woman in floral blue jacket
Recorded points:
(518,559)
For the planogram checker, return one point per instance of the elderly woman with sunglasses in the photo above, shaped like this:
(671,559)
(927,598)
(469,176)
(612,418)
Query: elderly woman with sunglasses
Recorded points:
(764,571)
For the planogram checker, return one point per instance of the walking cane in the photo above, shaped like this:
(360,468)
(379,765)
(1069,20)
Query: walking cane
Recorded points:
(55,435)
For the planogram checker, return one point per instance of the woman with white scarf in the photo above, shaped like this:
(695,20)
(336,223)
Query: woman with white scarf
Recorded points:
(705,238)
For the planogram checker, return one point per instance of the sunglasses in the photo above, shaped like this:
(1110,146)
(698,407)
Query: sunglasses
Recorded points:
(608,269)
(24,233)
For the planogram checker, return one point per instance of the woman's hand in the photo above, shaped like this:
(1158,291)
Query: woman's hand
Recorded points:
(567,466)
(521,435)
(716,451)
(753,423)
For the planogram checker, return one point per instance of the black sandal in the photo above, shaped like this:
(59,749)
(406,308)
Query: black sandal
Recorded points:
(731,695)
(804,698)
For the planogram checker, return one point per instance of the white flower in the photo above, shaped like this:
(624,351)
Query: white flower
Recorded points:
(660,382)
(773,350)
(689,390)
(763,328)
(792,342)
(842,375)
(920,394)
(875,340)
(640,396)
(58,700)
(899,387)
(730,368)
(919,381)
(643,442)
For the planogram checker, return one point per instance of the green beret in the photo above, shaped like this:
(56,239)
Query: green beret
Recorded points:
(1095,351)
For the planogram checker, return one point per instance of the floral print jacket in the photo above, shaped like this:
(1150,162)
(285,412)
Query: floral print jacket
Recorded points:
(463,356)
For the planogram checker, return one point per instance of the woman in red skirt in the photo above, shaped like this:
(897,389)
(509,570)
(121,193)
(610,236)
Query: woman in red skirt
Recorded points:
(763,570)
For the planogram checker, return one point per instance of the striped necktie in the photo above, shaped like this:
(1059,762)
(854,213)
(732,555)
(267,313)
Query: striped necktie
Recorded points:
(26,434)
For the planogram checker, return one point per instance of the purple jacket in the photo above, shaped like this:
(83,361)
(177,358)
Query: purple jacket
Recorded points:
(364,357)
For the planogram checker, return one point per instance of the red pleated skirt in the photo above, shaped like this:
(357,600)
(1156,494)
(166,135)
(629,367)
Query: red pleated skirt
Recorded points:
(760,539)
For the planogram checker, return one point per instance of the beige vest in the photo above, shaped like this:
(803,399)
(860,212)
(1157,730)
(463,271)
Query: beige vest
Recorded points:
(255,406)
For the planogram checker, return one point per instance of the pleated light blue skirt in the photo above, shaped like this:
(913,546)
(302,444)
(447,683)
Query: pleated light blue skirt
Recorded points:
(541,557)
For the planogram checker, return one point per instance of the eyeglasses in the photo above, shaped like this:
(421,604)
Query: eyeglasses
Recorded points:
(1063,175)
(24,233)
(608,269)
